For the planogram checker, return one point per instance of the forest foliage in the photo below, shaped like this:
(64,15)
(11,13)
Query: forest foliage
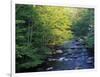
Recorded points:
(40,27)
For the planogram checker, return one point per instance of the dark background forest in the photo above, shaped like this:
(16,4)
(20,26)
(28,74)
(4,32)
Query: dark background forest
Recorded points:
(40,30)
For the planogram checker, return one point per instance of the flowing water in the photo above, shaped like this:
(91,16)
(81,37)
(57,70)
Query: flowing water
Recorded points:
(74,56)
(70,56)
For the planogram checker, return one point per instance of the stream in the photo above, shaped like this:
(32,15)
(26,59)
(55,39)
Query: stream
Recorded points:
(73,55)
